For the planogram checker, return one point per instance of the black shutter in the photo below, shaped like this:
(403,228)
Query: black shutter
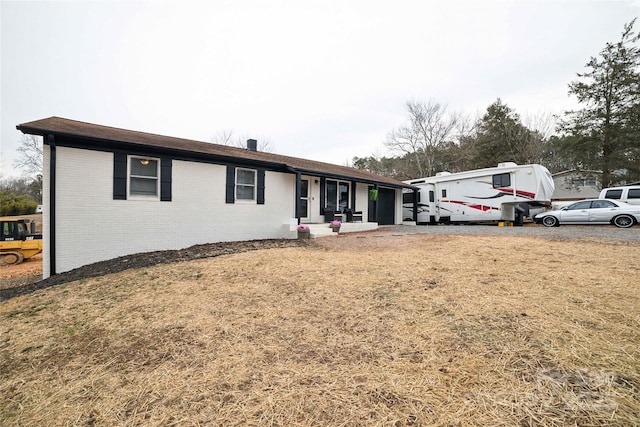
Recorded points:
(165,179)
(231,183)
(260,187)
(322,196)
(119,176)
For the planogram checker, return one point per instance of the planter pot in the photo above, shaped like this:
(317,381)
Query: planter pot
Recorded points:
(335,228)
(303,234)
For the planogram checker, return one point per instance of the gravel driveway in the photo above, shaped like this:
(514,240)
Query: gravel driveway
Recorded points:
(589,232)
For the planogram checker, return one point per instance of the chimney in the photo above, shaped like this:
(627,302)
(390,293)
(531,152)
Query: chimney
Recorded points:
(252,145)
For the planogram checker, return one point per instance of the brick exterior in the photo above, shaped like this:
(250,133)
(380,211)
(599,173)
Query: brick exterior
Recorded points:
(92,227)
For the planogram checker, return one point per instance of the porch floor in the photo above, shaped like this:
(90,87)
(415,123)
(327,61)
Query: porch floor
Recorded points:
(323,229)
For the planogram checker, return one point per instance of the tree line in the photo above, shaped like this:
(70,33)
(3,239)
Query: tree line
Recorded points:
(602,135)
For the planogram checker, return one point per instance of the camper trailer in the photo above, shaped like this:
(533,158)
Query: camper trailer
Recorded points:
(508,192)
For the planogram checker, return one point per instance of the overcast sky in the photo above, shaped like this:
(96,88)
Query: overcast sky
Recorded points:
(324,80)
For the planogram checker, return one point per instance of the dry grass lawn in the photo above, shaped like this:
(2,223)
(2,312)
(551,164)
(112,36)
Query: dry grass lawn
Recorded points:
(360,330)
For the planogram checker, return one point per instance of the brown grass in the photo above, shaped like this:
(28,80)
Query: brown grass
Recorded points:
(358,330)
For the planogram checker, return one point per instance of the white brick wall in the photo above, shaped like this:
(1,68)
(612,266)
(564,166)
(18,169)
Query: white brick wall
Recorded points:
(92,227)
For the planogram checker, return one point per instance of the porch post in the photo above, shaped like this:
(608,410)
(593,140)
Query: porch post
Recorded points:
(353,195)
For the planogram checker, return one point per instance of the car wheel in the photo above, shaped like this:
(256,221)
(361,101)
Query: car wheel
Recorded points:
(623,221)
(550,221)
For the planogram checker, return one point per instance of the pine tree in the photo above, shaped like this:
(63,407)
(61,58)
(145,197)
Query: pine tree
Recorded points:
(608,123)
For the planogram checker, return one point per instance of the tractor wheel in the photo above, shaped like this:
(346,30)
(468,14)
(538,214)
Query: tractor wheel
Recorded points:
(11,258)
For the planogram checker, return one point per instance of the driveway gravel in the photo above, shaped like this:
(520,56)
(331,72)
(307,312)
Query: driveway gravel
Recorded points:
(565,232)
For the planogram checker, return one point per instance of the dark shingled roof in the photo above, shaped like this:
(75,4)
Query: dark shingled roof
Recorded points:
(105,134)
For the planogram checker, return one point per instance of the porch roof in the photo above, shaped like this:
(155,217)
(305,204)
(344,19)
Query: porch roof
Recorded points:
(105,136)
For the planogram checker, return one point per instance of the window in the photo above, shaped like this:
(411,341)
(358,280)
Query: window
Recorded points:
(245,184)
(501,180)
(337,195)
(634,193)
(304,198)
(408,197)
(590,181)
(613,194)
(596,204)
(579,206)
(143,177)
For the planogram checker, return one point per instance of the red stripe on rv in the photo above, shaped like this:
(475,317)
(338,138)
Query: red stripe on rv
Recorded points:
(518,192)
(479,207)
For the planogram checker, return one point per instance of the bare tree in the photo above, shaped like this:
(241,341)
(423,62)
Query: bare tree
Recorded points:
(429,127)
(30,159)
(227,137)
(543,123)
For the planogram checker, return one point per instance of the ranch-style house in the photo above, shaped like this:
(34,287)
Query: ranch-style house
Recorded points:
(110,192)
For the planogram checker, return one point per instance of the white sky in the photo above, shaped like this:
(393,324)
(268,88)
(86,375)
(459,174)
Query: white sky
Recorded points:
(324,80)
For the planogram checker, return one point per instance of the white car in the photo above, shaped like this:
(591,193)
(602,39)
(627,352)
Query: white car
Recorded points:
(592,211)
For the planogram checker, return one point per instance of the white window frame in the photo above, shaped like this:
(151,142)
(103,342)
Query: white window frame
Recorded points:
(134,196)
(253,186)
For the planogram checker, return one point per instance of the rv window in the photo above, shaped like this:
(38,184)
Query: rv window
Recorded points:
(444,192)
(501,180)
(634,193)
(613,194)
(432,196)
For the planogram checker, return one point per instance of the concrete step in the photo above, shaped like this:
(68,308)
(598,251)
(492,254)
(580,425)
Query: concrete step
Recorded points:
(323,230)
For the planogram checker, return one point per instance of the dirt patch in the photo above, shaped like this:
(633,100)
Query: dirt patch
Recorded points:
(30,270)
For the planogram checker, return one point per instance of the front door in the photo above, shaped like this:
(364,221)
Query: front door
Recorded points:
(386,206)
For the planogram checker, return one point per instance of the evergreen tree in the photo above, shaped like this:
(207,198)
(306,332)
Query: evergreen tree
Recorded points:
(607,127)
(501,137)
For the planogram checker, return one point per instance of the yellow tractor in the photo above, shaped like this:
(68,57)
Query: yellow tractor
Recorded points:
(18,241)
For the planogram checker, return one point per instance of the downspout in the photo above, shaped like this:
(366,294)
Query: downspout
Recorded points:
(52,204)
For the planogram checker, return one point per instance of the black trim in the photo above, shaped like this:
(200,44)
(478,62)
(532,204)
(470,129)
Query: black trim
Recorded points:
(353,195)
(52,203)
(231,184)
(260,187)
(323,183)
(298,192)
(119,176)
(104,145)
(165,179)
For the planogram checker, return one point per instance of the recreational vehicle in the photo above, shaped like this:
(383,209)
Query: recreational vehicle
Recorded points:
(508,192)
